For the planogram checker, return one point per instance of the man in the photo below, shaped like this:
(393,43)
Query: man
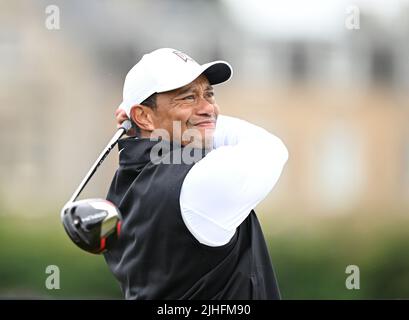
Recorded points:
(189,230)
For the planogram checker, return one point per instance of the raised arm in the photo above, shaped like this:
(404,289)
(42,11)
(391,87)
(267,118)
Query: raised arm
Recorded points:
(220,190)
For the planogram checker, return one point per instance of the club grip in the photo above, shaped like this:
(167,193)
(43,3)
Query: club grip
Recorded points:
(126,125)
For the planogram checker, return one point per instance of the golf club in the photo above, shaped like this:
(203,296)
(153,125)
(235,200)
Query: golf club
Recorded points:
(93,224)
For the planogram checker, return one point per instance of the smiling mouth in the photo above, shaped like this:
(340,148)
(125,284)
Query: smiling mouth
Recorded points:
(206,124)
(211,123)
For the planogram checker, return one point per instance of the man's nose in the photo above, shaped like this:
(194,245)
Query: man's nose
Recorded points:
(205,107)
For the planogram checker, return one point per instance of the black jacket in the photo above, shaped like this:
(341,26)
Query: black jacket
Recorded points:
(156,256)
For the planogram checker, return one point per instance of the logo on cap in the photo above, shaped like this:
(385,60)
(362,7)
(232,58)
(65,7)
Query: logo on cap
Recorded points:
(183,56)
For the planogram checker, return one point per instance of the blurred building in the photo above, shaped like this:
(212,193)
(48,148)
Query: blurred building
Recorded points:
(340,104)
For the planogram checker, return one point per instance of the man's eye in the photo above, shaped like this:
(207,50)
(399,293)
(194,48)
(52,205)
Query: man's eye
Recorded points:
(210,94)
(191,97)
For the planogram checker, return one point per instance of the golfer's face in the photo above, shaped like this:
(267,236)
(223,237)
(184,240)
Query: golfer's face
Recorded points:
(188,113)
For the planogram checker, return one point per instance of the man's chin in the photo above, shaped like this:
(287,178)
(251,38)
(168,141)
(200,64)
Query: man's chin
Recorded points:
(201,139)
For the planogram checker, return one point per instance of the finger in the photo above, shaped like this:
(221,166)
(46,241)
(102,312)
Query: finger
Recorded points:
(121,117)
(117,112)
(120,113)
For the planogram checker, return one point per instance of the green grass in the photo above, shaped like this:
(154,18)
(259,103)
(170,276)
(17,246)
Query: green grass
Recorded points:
(309,255)
(312,265)
(32,245)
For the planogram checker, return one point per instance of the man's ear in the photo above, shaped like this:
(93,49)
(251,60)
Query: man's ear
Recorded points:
(142,116)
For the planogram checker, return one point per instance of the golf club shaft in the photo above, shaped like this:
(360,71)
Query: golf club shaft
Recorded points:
(125,126)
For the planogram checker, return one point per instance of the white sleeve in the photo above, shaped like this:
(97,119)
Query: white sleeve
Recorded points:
(220,190)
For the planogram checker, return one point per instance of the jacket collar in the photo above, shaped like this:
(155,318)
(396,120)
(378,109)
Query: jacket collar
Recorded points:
(137,151)
(134,150)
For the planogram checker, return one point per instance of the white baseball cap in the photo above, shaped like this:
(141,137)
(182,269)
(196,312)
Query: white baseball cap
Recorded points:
(167,69)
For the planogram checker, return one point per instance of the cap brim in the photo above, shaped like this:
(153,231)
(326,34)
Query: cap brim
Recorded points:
(217,72)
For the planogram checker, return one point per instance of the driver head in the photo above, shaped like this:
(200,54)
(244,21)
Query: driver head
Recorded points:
(92,224)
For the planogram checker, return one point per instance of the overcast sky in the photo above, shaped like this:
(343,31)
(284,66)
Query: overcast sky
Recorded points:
(302,18)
